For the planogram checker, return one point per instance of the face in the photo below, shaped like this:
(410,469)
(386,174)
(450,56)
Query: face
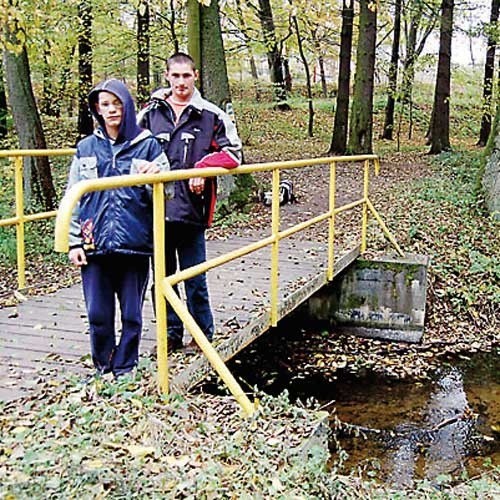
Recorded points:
(111,110)
(182,78)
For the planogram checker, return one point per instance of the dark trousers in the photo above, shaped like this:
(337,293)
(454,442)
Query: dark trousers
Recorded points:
(104,279)
(185,243)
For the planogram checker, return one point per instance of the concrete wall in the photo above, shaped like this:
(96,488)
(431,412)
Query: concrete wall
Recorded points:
(383,298)
(491,177)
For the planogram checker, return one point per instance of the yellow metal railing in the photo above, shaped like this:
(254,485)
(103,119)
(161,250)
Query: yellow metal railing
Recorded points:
(20,218)
(164,284)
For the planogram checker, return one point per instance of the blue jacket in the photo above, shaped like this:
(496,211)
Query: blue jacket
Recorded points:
(116,220)
(205,136)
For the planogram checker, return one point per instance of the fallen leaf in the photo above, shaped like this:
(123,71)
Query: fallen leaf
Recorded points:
(139,451)
(180,461)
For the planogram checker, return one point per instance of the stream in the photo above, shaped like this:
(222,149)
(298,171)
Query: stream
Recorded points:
(393,431)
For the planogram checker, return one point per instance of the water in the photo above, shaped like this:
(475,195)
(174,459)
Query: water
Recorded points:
(395,431)
(422,430)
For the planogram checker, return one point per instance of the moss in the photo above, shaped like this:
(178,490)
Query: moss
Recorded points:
(354,301)
(238,199)
(410,270)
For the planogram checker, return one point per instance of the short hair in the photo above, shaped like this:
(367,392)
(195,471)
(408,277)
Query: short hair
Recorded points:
(181,58)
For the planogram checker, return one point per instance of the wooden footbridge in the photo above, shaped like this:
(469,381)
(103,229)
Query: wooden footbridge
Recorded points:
(48,335)
(253,284)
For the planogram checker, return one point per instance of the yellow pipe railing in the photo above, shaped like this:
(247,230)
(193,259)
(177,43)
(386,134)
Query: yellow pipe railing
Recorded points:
(164,285)
(331,221)
(160,303)
(275,249)
(17,155)
(165,291)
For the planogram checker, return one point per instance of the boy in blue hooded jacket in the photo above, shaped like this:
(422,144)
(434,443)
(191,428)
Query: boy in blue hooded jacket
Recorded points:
(111,236)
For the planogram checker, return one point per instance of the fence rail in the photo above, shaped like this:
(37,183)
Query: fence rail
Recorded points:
(164,290)
(21,218)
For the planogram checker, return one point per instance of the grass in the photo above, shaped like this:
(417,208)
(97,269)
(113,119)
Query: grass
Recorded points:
(123,440)
(444,218)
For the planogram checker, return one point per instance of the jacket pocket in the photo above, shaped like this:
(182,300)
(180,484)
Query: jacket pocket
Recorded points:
(88,167)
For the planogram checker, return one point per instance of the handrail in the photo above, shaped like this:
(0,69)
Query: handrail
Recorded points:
(164,285)
(165,291)
(16,155)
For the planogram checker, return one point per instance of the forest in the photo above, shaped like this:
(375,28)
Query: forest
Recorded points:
(414,81)
(58,50)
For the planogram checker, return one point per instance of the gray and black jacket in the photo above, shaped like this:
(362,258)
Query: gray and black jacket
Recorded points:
(205,136)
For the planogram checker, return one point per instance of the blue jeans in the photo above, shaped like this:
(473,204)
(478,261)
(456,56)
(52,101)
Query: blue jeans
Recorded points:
(185,245)
(104,278)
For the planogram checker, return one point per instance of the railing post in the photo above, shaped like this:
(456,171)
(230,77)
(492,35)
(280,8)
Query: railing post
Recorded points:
(159,275)
(364,217)
(275,250)
(208,350)
(18,182)
(331,221)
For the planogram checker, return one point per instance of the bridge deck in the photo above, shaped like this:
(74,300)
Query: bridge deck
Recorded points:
(47,335)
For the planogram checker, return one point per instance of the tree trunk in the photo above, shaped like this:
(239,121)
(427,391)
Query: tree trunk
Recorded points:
(48,94)
(29,127)
(172,24)
(194,35)
(339,136)
(143,54)
(360,130)
(440,126)
(491,176)
(414,9)
(214,81)
(66,74)
(85,122)
(274,59)
(3,104)
(489,69)
(287,75)
(215,84)
(310,125)
(393,74)
(255,77)
(246,39)
(410,57)
(322,75)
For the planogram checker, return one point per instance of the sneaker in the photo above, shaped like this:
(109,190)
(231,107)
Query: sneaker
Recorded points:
(96,376)
(192,347)
(174,345)
(126,377)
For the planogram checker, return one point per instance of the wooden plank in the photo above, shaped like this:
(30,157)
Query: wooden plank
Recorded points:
(48,333)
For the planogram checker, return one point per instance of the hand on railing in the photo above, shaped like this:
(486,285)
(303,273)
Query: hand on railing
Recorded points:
(148,167)
(196,185)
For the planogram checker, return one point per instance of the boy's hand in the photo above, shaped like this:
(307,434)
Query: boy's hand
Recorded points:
(77,257)
(148,168)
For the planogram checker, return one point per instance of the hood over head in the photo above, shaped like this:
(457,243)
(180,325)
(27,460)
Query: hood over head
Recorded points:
(128,127)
